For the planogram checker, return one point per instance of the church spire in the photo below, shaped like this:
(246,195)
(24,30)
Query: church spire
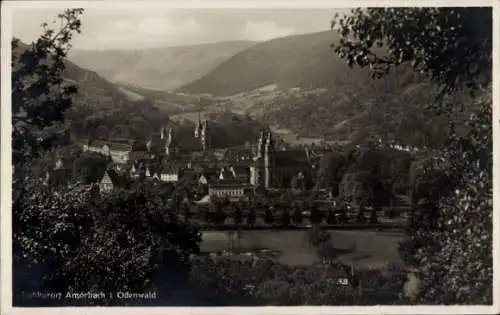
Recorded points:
(203,135)
(168,142)
(169,137)
(162,133)
(58,165)
(269,139)
(260,145)
(198,126)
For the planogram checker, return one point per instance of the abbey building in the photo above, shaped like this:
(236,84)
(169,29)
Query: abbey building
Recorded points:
(260,164)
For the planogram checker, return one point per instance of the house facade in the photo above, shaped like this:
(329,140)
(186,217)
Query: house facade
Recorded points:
(109,181)
(232,189)
(119,152)
(170,176)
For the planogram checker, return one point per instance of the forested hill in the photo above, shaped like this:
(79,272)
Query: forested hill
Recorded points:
(158,68)
(103,110)
(309,90)
(299,60)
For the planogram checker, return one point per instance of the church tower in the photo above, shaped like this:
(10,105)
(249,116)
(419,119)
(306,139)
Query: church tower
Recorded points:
(260,145)
(268,160)
(262,170)
(197,128)
(162,133)
(168,143)
(203,135)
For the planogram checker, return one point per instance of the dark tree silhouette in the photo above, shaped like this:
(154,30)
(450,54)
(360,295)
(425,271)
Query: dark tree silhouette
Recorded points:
(269,216)
(285,218)
(40,96)
(297,215)
(252,217)
(453,46)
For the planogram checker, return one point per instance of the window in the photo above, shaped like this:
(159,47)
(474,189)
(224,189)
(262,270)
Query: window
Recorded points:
(342,281)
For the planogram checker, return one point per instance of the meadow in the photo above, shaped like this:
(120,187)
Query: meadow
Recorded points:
(365,249)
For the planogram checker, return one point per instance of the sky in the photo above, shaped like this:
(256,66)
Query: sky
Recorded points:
(150,28)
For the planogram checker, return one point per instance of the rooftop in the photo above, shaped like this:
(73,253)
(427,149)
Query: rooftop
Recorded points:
(113,175)
(227,183)
(120,146)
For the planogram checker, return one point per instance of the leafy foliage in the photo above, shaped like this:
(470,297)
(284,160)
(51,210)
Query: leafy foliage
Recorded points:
(39,94)
(88,243)
(450,233)
(265,282)
(69,238)
(269,283)
(366,175)
(357,188)
(354,108)
(89,167)
(451,45)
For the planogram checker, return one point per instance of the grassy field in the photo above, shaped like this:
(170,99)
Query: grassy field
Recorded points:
(364,249)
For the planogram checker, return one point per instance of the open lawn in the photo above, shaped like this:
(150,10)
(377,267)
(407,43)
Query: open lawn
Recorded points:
(363,248)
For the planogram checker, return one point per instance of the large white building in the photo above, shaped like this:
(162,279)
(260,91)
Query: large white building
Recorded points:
(119,152)
(232,189)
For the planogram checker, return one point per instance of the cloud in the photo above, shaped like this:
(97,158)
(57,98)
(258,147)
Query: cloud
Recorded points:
(121,26)
(156,27)
(266,30)
(146,32)
(164,26)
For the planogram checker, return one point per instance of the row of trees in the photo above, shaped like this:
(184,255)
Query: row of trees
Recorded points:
(280,217)
(366,176)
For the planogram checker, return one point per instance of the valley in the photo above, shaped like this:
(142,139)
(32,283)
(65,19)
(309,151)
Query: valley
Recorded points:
(295,84)
(263,163)
(160,68)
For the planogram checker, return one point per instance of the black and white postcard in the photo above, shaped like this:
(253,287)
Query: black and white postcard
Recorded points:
(249,157)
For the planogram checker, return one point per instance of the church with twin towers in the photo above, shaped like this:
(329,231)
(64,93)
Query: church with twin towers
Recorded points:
(265,165)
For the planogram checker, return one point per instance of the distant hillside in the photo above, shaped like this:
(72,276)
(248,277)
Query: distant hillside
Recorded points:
(300,60)
(93,90)
(159,68)
(297,83)
(103,110)
(170,102)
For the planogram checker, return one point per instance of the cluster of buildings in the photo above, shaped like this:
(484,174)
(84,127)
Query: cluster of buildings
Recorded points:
(229,172)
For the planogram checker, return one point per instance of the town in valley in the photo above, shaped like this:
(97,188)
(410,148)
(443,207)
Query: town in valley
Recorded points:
(252,157)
